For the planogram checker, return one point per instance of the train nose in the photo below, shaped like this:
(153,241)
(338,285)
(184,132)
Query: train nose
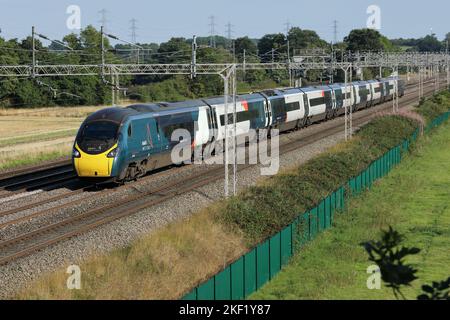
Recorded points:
(90,165)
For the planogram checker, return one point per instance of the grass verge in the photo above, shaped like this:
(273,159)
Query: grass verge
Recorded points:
(162,265)
(34,156)
(413,199)
(38,137)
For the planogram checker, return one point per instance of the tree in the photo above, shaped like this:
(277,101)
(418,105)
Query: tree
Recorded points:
(176,50)
(364,40)
(446,43)
(268,42)
(429,44)
(245,43)
(302,39)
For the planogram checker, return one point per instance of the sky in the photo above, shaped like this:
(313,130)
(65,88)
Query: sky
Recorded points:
(158,21)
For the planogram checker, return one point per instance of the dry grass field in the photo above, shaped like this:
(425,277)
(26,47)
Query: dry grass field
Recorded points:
(162,265)
(30,136)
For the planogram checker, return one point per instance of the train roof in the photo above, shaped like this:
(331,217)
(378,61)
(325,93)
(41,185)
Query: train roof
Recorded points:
(219,100)
(323,87)
(250,96)
(182,104)
(315,89)
(291,91)
(115,114)
(162,107)
(310,89)
(272,93)
(143,108)
(337,85)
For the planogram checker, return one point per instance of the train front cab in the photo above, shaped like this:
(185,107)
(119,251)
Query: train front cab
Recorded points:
(95,150)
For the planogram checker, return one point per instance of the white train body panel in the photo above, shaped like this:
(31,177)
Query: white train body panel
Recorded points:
(202,134)
(242,127)
(295,115)
(376,90)
(316,109)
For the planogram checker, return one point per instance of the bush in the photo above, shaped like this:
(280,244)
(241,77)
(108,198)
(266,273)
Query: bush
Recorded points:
(435,106)
(261,211)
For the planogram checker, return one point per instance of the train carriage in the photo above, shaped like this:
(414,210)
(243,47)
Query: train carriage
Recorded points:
(251,113)
(287,107)
(320,103)
(296,108)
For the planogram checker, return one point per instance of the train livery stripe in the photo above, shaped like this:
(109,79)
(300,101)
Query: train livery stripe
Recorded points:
(245,105)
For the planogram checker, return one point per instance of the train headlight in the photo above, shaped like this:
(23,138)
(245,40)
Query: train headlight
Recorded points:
(112,153)
(76,153)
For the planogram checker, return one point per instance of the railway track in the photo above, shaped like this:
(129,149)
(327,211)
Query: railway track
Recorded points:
(40,238)
(53,175)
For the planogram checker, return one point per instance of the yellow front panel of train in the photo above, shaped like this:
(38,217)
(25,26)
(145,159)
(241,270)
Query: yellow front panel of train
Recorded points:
(93,165)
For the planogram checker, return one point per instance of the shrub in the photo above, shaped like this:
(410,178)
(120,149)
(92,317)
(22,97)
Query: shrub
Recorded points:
(263,210)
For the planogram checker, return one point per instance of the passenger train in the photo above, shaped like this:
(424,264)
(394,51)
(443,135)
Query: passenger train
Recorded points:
(121,144)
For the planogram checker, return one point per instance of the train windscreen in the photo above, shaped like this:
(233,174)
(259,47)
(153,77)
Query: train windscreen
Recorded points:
(97,137)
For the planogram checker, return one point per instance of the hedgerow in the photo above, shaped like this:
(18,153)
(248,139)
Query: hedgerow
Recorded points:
(263,210)
(435,106)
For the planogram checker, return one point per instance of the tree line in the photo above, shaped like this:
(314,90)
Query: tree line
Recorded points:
(91,90)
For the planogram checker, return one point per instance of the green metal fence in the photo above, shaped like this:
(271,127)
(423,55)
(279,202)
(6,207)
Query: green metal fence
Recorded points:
(246,275)
(438,121)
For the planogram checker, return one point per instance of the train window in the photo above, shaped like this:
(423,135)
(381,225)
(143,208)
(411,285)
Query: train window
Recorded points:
(317,101)
(256,108)
(98,130)
(363,91)
(168,124)
(230,118)
(278,106)
(129,130)
(240,116)
(292,106)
